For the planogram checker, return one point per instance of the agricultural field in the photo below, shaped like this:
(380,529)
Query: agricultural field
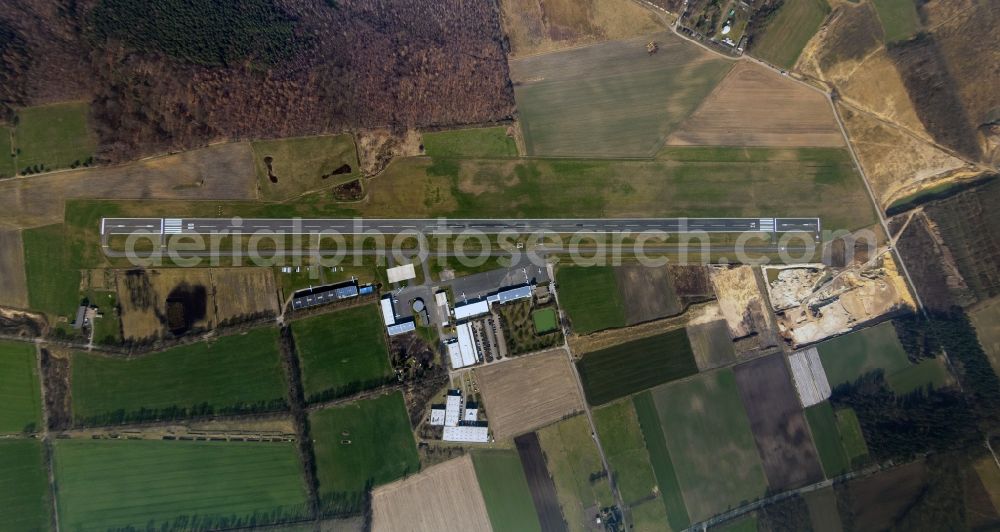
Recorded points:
(875,502)
(106,484)
(505,489)
(445,496)
(573,461)
(786,34)
(54,136)
(666,474)
(359,445)
(290,167)
(529,392)
(13,284)
(487,142)
(590,297)
(341,352)
(520,329)
(899,19)
(711,344)
(7,168)
(244,292)
(219,172)
(823,512)
(25,500)
(612,99)
(53,285)
(707,430)
(839,441)
(779,428)
(540,26)
(754,106)
(624,369)
(197,378)
(20,395)
(646,293)
(986,319)
(626,451)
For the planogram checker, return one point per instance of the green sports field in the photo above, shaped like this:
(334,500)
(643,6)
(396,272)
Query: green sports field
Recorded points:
(300,164)
(53,285)
(663,466)
(25,501)
(590,296)
(899,18)
(505,490)
(20,396)
(233,373)
(118,484)
(787,33)
(572,459)
(486,142)
(707,431)
(53,136)
(342,352)
(625,449)
(631,367)
(545,320)
(359,445)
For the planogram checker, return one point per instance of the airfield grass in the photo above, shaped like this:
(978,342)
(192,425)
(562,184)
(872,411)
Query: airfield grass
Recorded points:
(360,445)
(707,431)
(53,136)
(300,163)
(572,458)
(850,356)
(787,33)
(663,466)
(545,320)
(342,352)
(233,373)
(505,490)
(20,395)
(624,446)
(24,492)
(898,17)
(590,296)
(624,369)
(826,435)
(486,142)
(53,285)
(7,168)
(123,484)
(851,435)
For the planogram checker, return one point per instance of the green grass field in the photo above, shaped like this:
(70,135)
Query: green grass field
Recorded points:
(53,285)
(483,142)
(707,432)
(624,446)
(233,373)
(899,19)
(380,449)
(850,434)
(20,396)
(300,164)
(826,435)
(631,367)
(342,352)
(53,136)
(505,490)
(611,99)
(787,33)
(7,168)
(986,319)
(545,320)
(743,524)
(118,484)
(847,357)
(663,466)
(107,330)
(590,296)
(24,492)
(929,372)
(572,458)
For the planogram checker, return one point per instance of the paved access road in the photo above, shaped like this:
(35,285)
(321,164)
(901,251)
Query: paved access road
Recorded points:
(117,226)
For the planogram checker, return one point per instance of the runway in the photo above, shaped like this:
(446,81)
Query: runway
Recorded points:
(354,226)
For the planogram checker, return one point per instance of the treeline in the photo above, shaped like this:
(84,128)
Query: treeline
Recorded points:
(217,33)
(198,523)
(330,394)
(144,415)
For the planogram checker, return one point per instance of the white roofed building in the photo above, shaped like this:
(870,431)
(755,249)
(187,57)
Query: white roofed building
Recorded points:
(470,310)
(467,434)
(453,408)
(388,314)
(467,344)
(437,416)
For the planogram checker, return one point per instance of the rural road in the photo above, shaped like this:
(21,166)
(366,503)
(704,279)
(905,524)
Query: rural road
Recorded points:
(171,226)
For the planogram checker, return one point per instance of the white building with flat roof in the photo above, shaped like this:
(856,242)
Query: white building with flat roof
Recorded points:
(471,310)
(441,299)
(401,273)
(467,344)
(453,408)
(471,413)
(437,416)
(467,434)
(388,314)
(454,354)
